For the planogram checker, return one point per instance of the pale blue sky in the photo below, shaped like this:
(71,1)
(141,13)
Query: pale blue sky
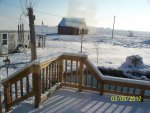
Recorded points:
(130,14)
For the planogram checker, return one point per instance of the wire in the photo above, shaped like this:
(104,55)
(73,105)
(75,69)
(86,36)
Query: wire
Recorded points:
(49,13)
(35,4)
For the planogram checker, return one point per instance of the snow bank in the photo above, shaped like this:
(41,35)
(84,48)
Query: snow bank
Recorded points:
(133,61)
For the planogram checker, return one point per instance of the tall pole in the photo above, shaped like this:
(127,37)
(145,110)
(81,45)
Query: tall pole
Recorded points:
(22,34)
(32,34)
(113,27)
(19,33)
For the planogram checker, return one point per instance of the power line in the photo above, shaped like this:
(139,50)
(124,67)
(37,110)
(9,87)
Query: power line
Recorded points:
(49,14)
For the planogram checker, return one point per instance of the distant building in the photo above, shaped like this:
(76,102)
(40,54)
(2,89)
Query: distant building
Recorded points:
(9,41)
(72,26)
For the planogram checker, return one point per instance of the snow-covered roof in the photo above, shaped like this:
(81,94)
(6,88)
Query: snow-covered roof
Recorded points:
(73,22)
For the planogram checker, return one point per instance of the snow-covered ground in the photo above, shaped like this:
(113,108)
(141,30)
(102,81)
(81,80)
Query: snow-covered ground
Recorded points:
(112,51)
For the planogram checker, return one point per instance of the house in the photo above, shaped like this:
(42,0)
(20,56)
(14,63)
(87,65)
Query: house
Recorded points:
(72,26)
(10,39)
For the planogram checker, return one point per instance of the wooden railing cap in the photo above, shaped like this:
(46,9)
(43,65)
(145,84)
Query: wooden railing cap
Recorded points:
(75,54)
(127,80)
(35,62)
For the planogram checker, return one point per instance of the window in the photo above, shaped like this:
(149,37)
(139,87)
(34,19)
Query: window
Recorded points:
(4,39)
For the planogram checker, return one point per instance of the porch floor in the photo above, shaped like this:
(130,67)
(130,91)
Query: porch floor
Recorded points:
(71,101)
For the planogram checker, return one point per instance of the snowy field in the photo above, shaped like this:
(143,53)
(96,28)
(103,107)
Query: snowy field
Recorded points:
(112,51)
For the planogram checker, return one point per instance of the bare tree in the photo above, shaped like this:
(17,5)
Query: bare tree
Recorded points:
(130,34)
(81,33)
(28,6)
(97,51)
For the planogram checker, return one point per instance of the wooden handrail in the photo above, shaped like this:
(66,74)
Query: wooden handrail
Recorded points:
(17,80)
(72,70)
(14,75)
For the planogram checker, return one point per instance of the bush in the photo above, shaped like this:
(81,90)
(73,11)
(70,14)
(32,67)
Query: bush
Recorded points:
(112,72)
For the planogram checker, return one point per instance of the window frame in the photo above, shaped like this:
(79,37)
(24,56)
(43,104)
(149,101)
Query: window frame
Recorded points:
(4,41)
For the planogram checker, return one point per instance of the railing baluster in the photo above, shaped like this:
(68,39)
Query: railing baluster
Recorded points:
(86,77)
(142,94)
(66,71)
(46,87)
(76,72)
(16,91)
(71,72)
(91,79)
(61,70)
(55,72)
(49,76)
(0,104)
(27,84)
(81,76)
(11,98)
(127,90)
(57,65)
(133,90)
(97,84)
(43,81)
(115,88)
(21,87)
(121,89)
(101,87)
(52,74)
(109,87)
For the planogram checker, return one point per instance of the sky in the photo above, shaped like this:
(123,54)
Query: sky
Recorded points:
(130,14)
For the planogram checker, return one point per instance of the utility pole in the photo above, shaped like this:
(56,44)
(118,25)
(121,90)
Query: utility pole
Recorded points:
(32,34)
(113,27)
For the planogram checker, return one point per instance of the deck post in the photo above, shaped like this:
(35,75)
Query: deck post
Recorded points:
(81,71)
(37,85)
(7,97)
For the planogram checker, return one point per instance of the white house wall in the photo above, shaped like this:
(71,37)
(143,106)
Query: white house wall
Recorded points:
(12,41)
(3,48)
(26,39)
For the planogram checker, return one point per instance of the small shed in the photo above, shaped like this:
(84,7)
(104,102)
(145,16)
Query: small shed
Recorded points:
(72,26)
(9,40)
(41,40)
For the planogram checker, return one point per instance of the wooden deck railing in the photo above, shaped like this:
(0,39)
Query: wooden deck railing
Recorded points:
(72,70)
(21,85)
